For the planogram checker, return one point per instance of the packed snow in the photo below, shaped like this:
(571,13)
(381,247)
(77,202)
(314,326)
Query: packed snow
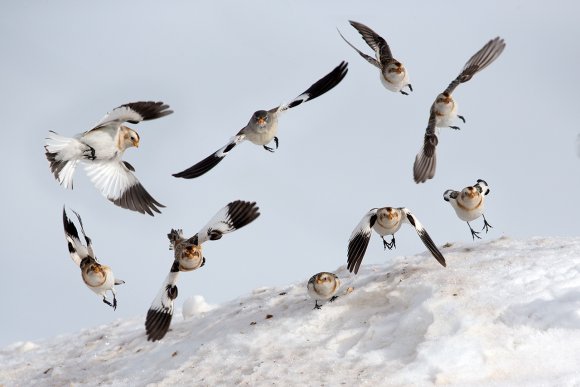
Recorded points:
(503,313)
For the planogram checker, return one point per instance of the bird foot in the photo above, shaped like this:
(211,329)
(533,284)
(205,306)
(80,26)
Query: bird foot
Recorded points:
(389,245)
(333,298)
(410,87)
(89,154)
(486,226)
(455,127)
(403,92)
(269,149)
(461,118)
(113,305)
(316,306)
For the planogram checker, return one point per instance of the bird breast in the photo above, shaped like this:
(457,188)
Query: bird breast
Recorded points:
(262,135)
(393,80)
(98,277)
(468,208)
(189,257)
(445,113)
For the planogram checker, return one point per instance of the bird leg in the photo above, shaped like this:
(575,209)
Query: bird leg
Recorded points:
(455,127)
(316,306)
(410,87)
(403,92)
(389,245)
(333,298)
(474,234)
(108,303)
(461,118)
(486,225)
(270,149)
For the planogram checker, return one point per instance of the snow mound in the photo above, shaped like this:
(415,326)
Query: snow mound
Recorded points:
(503,313)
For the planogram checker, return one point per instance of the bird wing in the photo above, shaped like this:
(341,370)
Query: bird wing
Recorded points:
(320,87)
(427,241)
(76,249)
(212,160)
(134,113)
(375,41)
(233,216)
(368,58)
(426,159)
(88,240)
(359,240)
(161,310)
(115,180)
(480,60)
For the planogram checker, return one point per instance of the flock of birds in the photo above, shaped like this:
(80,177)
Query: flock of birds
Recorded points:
(101,151)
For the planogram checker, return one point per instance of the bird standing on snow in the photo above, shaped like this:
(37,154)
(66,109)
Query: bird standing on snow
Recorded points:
(263,125)
(101,149)
(385,221)
(393,75)
(444,109)
(188,256)
(99,278)
(322,287)
(469,204)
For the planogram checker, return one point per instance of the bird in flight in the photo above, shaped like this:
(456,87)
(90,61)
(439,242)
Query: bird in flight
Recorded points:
(101,150)
(99,278)
(188,256)
(444,110)
(469,204)
(263,125)
(323,287)
(385,221)
(393,74)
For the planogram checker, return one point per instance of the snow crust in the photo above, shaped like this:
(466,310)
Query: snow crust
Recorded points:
(503,313)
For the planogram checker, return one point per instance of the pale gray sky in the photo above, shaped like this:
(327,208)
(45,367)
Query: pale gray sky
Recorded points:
(65,64)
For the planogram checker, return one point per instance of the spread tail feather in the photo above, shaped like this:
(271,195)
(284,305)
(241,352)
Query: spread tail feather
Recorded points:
(63,154)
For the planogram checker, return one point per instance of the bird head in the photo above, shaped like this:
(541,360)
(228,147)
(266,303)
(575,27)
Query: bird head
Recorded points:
(261,117)
(130,138)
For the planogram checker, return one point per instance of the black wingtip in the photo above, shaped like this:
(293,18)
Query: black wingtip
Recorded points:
(149,110)
(157,324)
(200,168)
(136,198)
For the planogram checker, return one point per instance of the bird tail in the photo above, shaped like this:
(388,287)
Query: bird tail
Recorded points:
(63,154)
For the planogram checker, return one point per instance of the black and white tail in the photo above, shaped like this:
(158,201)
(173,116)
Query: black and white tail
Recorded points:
(63,154)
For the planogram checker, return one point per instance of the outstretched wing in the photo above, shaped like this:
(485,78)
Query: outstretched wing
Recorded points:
(323,85)
(134,113)
(359,240)
(212,160)
(232,217)
(161,310)
(426,159)
(375,41)
(88,240)
(478,62)
(368,58)
(76,249)
(115,180)
(427,241)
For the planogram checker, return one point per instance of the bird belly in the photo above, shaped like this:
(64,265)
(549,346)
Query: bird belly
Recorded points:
(468,211)
(393,81)
(445,114)
(322,291)
(383,230)
(262,136)
(98,281)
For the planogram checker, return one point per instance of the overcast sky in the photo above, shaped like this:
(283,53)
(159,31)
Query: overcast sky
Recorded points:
(65,64)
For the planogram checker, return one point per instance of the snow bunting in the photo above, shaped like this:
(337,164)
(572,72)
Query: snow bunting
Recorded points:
(393,74)
(101,149)
(263,125)
(444,109)
(99,278)
(385,221)
(188,256)
(322,287)
(469,204)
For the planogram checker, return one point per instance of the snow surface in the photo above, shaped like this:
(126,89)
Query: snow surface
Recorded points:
(503,313)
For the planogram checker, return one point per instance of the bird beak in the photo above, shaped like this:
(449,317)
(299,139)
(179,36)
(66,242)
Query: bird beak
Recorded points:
(261,121)
(136,143)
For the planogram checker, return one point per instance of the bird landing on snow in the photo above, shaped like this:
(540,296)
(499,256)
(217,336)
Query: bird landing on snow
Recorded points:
(323,287)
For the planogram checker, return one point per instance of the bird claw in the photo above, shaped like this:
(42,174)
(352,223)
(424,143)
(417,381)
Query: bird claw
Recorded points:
(113,305)
(90,151)
(410,87)
(333,298)
(276,141)
(403,92)
(461,118)
(455,127)
(486,226)
(316,306)
(390,245)
(269,149)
